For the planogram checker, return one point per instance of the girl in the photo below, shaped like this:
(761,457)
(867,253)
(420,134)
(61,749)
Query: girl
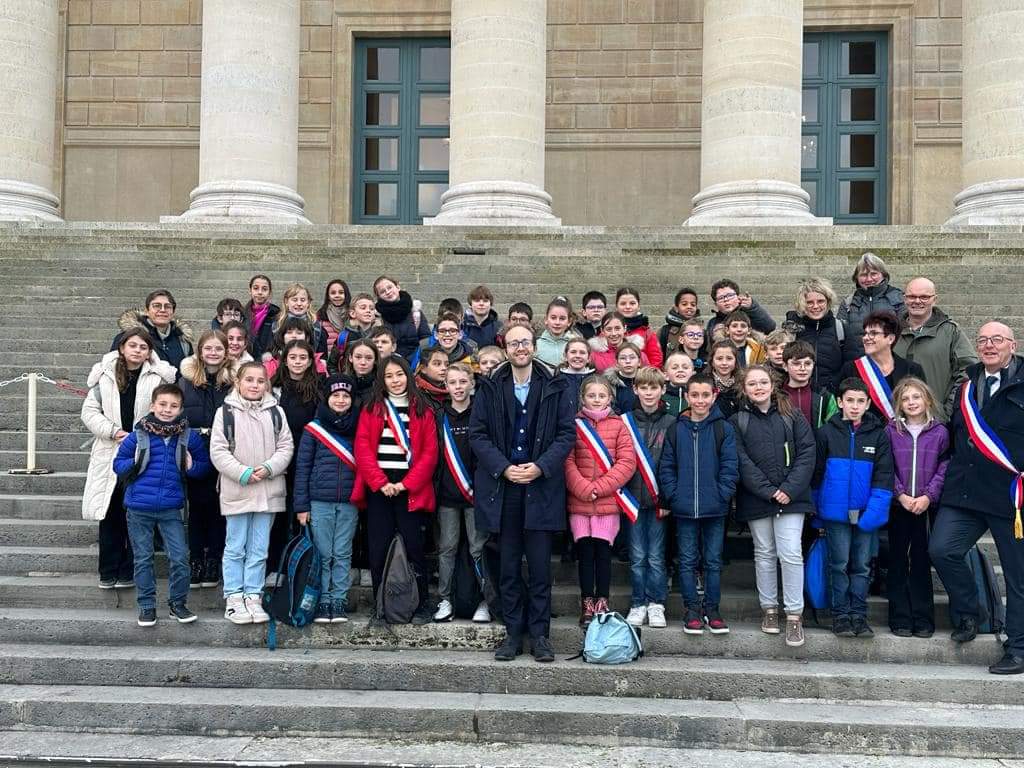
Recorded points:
(120,390)
(557,331)
(298,303)
(576,364)
(361,365)
(678,370)
(724,369)
(627,363)
(237,336)
(252,461)
(604,346)
(396,310)
(289,330)
(490,358)
(395,482)
(323,491)
(638,328)
(333,314)
(776,450)
(206,380)
(593,510)
(430,377)
(260,314)
(920,447)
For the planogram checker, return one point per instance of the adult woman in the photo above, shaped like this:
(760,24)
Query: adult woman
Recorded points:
(881,368)
(170,340)
(814,321)
(120,389)
(872,293)
(395,307)
(604,347)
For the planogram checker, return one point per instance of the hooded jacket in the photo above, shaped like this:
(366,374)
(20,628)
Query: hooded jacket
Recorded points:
(583,475)
(854,470)
(943,351)
(861,303)
(697,479)
(828,350)
(653,428)
(319,474)
(174,347)
(919,462)
(550,348)
(483,334)
(160,486)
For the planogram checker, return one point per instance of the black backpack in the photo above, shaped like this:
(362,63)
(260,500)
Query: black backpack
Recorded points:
(295,594)
(992,612)
(398,596)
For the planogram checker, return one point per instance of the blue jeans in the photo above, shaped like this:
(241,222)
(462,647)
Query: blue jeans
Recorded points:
(849,556)
(697,540)
(333,526)
(245,552)
(141,524)
(647,559)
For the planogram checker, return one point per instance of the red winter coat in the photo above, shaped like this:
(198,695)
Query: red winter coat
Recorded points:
(583,475)
(649,345)
(419,480)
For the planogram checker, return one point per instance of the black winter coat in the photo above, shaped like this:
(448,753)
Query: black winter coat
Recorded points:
(399,317)
(901,368)
(653,428)
(297,413)
(445,488)
(319,474)
(861,303)
(828,350)
(200,404)
(172,349)
(262,342)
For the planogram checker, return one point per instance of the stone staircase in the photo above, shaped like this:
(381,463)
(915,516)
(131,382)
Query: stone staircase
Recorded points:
(74,661)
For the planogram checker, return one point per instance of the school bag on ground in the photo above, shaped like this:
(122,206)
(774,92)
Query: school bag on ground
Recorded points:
(295,593)
(992,612)
(466,589)
(816,575)
(611,640)
(399,595)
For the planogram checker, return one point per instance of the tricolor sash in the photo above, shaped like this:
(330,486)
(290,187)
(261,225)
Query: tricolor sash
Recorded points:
(455,464)
(394,420)
(993,449)
(878,387)
(644,462)
(627,503)
(336,445)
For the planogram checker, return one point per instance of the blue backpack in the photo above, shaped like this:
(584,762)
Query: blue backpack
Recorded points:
(611,640)
(293,598)
(816,574)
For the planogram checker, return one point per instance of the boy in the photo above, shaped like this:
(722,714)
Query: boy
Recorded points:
(385,342)
(854,477)
(227,310)
(684,308)
(749,351)
(449,337)
(678,370)
(481,323)
(155,497)
(817,407)
(519,313)
(490,358)
(697,478)
(453,482)
(594,304)
(648,423)
(727,298)
(774,345)
(362,314)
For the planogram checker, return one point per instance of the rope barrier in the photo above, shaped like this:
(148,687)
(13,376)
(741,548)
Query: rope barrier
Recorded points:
(33,379)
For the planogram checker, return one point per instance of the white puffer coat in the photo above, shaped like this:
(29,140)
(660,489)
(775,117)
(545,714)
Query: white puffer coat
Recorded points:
(101,414)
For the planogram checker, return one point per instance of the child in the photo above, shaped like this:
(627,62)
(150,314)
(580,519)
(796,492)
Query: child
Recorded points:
(697,478)
(385,341)
(361,365)
(557,331)
(604,348)
(595,305)
(154,498)
(237,335)
(454,489)
(362,314)
(252,462)
(774,345)
(395,473)
(684,308)
(333,314)
(430,377)
(397,310)
(324,478)
(638,327)
(519,313)
(298,303)
(920,444)
(648,424)
(576,364)
(490,358)
(817,407)
(776,450)
(749,351)
(291,329)
(678,370)
(627,363)
(481,323)
(450,340)
(855,476)
(694,343)
(228,310)
(593,491)
(724,367)
(260,315)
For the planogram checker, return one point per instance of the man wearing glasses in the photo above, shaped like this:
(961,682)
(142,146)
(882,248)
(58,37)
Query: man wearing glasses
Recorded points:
(977,493)
(521,431)
(171,341)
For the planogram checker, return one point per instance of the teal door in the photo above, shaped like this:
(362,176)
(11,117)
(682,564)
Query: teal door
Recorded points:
(400,135)
(844,148)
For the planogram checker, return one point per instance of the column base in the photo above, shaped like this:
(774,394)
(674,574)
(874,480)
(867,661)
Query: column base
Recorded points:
(220,201)
(21,201)
(495,204)
(753,204)
(989,203)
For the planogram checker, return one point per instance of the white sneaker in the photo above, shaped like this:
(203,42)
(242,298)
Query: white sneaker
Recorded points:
(637,616)
(482,615)
(235,611)
(444,611)
(365,578)
(656,616)
(252,605)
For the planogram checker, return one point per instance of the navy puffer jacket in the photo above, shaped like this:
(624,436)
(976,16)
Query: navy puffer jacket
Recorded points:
(160,486)
(319,474)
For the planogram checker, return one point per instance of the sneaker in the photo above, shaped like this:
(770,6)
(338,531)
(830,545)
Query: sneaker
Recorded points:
(107,583)
(508,650)
(901,631)
(693,624)
(147,617)
(444,611)
(338,613)
(656,616)
(794,631)
(482,614)
(924,632)
(235,611)
(601,605)
(842,627)
(255,608)
(211,573)
(637,616)
(770,621)
(861,628)
(365,578)
(423,615)
(323,614)
(542,650)
(124,584)
(181,612)
(586,611)
(195,579)
(966,631)
(716,624)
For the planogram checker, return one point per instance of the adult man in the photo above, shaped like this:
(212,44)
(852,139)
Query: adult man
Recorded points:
(976,496)
(727,297)
(933,341)
(171,342)
(521,431)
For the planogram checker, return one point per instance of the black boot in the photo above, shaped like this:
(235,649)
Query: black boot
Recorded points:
(211,572)
(195,579)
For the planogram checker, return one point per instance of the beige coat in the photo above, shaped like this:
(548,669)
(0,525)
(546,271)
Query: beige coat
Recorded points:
(101,414)
(256,445)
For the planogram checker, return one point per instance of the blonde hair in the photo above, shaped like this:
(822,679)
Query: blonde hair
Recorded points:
(246,366)
(598,379)
(779,399)
(293,290)
(491,349)
(650,376)
(225,373)
(930,404)
(815,285)
(779,336)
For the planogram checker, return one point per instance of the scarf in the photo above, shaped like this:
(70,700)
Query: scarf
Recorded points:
(722,383)
(395,312)
(150,423)
(596,415)
(636,322)
(343,424)
(258,315)
(429,388)
(336,316)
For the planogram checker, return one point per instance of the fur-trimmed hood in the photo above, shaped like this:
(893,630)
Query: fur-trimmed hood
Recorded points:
(136,318)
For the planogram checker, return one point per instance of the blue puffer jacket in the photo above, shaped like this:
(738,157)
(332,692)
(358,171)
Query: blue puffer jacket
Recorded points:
(319,474)
(160,486)
(696,478)
(854,471)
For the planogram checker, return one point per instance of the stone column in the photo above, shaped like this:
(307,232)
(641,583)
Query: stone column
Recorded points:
(497,122)
(750,115)
(993,114)
(28,109)
(249,124)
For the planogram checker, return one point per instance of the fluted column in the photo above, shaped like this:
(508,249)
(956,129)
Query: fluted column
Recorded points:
(28,108)
(993,114)
(497,121)
(750,115)
(249,124)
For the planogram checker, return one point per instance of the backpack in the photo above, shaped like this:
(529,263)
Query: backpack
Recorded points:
(398,596)
(229,423)
(467,583)
(611,640)
(295,594)
(816,574)
(992,612)
(142,452)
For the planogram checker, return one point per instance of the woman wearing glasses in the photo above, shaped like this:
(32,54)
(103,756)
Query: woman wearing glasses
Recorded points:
(872,293)
(880,368)
(814,321)
(172,342)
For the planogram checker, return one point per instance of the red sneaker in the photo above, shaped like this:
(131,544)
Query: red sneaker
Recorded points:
(716,624)
(693,624)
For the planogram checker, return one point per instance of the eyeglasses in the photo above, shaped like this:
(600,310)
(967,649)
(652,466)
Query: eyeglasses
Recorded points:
(447,331)
(996,341)
(694,334)
(873,334)
(726,296)
(519,344)
(161,306)
(912,297)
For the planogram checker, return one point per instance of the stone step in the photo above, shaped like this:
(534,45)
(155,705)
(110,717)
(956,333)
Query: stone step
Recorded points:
(16,440)
(38,507)
(56,483)
(47,533)
(58,461)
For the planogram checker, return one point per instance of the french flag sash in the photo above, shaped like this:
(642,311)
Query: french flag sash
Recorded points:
(455,464)
(394,420)
(336,445)
(993,449)
(599,451)
(878,387)
(644,462)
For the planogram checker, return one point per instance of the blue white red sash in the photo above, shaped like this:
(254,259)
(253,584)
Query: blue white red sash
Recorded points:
(644,462)
(455,464)
(993,449)
(336,445)
(394,420)
(627,503)
(878,387)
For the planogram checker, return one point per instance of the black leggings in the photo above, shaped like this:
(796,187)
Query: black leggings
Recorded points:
(206,526)
(595,566)
(386,516)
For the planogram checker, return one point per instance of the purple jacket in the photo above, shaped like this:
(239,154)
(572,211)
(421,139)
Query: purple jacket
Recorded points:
(920,464)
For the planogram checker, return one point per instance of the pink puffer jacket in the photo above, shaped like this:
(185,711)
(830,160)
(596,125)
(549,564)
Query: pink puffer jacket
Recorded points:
(583,476)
